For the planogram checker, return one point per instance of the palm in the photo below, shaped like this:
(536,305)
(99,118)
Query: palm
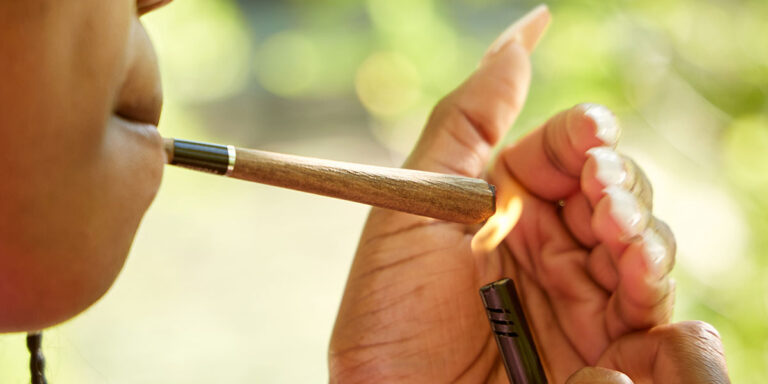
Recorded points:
(566,308)
(417,311)
(423,307)
(421,316)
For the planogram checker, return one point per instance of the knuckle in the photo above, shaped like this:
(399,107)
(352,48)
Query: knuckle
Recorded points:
(705,330)
(442,107)
(698,338)
(695,333)
(696,350)
(441,112)
(556,139)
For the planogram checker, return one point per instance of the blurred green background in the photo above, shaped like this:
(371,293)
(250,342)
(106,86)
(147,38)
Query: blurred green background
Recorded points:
(236,282)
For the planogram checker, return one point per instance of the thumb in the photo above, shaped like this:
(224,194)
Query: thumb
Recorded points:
(685,352)
(597,375)
(466,124)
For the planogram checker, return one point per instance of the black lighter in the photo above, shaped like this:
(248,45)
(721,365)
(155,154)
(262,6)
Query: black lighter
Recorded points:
(516,346)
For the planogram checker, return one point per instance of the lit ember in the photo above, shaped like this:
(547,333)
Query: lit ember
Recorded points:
(508,210)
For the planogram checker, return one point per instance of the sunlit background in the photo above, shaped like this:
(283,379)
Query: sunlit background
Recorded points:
(236,282)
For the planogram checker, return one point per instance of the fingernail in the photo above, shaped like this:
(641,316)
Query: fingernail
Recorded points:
(526,31)
(655,253)
(597,375)
(610,166)
(627,212)
(607,126)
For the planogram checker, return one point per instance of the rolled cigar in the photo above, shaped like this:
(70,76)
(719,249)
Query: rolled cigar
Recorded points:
(447,197)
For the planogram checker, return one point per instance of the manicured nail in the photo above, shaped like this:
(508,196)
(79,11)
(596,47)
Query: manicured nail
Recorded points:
(608,129)
(627,212)
(597,375)
(656,253)
(610,166)
(526,31)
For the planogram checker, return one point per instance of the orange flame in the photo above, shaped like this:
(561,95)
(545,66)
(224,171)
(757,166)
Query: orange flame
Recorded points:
(498,226)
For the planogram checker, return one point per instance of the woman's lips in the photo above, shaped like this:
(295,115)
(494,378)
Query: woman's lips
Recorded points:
(140,97)
(147,112)
(140,134)
(144,129)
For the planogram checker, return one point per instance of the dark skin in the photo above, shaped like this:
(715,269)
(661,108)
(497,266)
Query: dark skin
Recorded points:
(82,161)
(591,281)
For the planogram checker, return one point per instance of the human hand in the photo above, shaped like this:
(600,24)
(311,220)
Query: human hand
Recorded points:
(588,272)
(687,352)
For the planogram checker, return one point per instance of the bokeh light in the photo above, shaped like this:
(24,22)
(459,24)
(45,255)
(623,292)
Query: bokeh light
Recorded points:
(388,84)
(234,282)
(286,63)
(206,49)
(746,159)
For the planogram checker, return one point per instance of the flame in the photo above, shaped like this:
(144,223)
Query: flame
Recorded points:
(498,226)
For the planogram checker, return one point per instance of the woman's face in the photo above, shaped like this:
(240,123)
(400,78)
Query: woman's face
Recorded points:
(82,158)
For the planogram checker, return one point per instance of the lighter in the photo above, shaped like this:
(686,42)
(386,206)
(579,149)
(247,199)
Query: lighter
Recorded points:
(516,345)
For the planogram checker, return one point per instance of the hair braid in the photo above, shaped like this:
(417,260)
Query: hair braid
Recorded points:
(36,358)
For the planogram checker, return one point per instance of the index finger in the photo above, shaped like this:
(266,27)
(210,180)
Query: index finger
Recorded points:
(548,161)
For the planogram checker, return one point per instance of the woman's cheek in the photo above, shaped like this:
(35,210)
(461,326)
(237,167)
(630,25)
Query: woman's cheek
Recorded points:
(130,169)
(78,220)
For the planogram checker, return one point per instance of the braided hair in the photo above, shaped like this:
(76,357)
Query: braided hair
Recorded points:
(36,358)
